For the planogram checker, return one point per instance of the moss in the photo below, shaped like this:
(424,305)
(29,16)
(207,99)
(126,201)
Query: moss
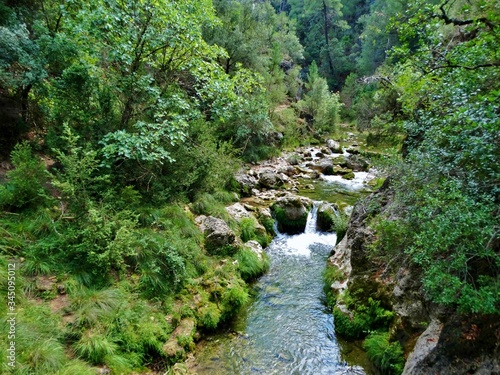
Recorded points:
(250,265)
(286,225)
(348,176)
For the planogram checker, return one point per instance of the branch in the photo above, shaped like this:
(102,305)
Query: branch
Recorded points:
(475,67)
(454,21)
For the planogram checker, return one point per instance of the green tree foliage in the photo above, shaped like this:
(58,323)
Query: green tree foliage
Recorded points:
(319,104)
(321,27)
(447,185)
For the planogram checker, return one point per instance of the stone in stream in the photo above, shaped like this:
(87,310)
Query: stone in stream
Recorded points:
(270,180)
(334,146)
(291,213)
(326,214)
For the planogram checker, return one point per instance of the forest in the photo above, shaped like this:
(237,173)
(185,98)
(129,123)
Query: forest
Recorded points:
(121,121)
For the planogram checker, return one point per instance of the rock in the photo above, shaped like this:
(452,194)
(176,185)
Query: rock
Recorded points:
(291,213)
(270,180)
(255,247)
(288,170)
(324,166)
(326,213)
(172,348)
(45,283)
(217,232)
(357,163)
(334,146)
(340,161)
(237,211)
(353,150)
(337,170)
(349,176)
(424,346)
(246,183)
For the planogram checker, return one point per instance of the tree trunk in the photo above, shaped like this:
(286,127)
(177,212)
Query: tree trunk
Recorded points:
(327,38)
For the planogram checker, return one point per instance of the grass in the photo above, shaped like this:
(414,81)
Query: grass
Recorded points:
(94,347)
(249,264)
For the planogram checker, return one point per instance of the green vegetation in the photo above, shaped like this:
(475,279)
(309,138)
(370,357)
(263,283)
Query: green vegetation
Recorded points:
(123,120)
(387,356)
(361,317)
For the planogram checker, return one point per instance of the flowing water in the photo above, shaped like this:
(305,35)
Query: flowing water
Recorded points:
(286,329)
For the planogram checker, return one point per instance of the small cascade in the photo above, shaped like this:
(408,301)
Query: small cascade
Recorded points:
(312,218)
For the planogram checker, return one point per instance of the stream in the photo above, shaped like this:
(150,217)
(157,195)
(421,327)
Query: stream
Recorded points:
(286,329)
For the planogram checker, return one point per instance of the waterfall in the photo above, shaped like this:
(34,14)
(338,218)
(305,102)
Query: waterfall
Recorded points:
(312,218)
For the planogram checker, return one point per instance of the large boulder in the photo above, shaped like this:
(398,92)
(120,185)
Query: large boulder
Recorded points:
(334,146)
(324,166)
(270,180)
(246,183)
(217,233)
(237,211)
(326,214)
(357,163)
(291,213)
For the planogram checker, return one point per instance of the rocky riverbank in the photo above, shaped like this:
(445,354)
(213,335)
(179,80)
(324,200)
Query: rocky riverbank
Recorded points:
(435,340)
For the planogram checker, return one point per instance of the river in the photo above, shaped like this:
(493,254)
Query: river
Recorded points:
(286,329)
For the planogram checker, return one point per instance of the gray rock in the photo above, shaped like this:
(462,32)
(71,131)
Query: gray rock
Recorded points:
(425,344)
(217,232)
(334,146)
(291,213)
(270,180)
(237,211)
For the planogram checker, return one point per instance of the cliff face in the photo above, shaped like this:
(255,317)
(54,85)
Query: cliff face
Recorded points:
(436,340)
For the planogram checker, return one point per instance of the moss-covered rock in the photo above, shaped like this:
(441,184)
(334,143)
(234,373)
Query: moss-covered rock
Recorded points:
(348,176)
(326,215)
(291,213)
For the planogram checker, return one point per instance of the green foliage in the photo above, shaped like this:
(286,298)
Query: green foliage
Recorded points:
(387,356)
(340,224)
(95,347)
(330,275)
(251,265)
(162,269)
(212,205)
(25,185)
(319,103)
(362,318)
(247,228)
(94,306)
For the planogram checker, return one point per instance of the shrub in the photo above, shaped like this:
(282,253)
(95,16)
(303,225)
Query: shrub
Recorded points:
(247,228)
(331,274)
(25,186)
(387,356)
(43,356)
(94,306)
(363,318)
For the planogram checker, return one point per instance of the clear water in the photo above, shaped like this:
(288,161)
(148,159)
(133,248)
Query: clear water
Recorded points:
(287,329)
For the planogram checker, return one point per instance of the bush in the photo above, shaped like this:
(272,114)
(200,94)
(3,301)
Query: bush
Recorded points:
(363,318)
(331,274)
(25,186)
(386,356)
